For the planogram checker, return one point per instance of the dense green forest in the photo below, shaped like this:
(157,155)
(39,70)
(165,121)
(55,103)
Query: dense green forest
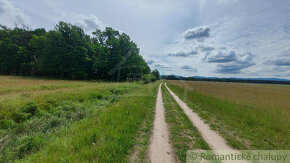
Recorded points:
(68,52)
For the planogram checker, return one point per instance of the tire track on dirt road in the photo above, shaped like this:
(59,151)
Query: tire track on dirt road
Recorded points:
(160,149)
(214,140)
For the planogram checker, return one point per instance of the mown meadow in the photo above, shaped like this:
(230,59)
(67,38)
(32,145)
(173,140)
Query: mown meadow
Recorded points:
(248,116)
(62,120)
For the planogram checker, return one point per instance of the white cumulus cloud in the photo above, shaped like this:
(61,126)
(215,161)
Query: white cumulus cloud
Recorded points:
(88,23)
(197,33)
(10,15)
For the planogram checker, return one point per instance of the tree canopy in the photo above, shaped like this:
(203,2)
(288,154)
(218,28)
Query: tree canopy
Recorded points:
(68,52)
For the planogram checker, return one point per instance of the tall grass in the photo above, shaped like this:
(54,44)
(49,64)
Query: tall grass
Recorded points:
(244,126)
(29,123)
(53,94)
(108,136)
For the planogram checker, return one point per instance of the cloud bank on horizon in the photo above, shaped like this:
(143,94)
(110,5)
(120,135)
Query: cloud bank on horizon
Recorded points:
(224,38)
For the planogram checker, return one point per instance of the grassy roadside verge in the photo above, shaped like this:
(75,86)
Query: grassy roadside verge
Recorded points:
(140,151)
(183,135)
(109,136)
(243,126)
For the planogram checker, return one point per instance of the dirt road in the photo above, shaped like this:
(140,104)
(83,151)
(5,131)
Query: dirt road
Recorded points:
(214,140)
(160,149)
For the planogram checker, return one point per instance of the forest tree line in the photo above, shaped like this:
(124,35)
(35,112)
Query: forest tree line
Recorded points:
(68,52)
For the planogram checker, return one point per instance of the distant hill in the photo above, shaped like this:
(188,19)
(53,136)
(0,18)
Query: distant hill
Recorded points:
(271,79)
(231,79)
(202,77)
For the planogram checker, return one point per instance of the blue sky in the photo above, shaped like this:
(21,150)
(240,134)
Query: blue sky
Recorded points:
(223,38)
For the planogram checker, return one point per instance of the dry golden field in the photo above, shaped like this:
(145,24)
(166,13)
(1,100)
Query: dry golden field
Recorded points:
(275,96)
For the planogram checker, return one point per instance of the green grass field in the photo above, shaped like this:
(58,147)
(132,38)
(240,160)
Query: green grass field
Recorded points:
(47,120)
(248,116)
(57,120)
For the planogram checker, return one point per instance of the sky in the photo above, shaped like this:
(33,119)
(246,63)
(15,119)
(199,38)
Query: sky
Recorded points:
(221,38)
